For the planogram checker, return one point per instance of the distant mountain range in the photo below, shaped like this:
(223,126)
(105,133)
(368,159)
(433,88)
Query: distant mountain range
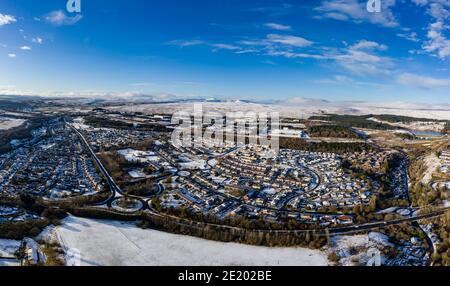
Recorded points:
(166,98)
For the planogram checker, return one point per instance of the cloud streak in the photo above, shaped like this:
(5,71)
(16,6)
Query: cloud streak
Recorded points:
(59,18)
(188,43)
(419,81)
(289,40)
(278,27)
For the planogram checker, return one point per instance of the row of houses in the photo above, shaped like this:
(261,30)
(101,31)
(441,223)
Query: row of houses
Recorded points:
(445,161)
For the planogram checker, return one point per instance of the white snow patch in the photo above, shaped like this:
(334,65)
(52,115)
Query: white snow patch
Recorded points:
(9,123)
(380,238)
(8,247)
(132,155)
(432,162)
(387,211)
(136,174)
(194,165)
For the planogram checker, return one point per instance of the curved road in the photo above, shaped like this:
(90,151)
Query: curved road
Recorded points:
(113,186)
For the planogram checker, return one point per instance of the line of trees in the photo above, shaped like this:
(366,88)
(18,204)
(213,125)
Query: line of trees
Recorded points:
(402,119)
(311,238)
(447,127)
(19,230)
(442,255)
(335,131)
(101,122)
(330,147)
(360,121)
(406,136)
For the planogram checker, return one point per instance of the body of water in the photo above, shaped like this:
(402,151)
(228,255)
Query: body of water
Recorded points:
(427,133)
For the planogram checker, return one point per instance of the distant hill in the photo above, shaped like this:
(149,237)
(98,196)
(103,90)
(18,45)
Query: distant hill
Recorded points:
(359,121)
(15,105)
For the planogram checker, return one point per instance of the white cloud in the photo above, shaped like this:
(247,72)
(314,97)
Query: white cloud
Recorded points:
(360,63)
(343,79)
(278,27)
(268,62)
(248,51)
(271,43)
(190,43)
(335,16)
(337,79)
(288,40)
(419,81)
(438,44)
(37,40)
(254,42)
(294,55)
(225,47)
(360,67)
(59,18)
(420,2)
(12,55)
(361,60)
(6,19)
(368,45)
(438,10)
(356,11)
(25,48)
(142,84)
(413,37)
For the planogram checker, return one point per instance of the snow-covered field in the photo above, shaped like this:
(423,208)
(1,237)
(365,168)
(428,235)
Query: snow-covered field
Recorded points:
(419,126)
(9,123)
(79,124)
(432,162)
(123,244)
(8,247)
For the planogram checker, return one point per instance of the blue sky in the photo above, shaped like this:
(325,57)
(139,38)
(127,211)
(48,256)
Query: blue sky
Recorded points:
(330,49)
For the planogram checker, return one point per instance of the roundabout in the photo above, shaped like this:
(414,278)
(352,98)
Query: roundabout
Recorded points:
(127,205)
